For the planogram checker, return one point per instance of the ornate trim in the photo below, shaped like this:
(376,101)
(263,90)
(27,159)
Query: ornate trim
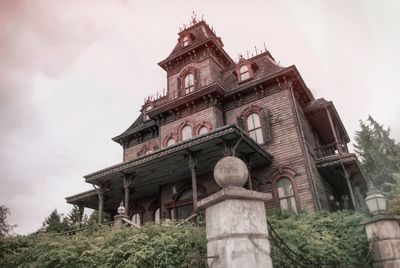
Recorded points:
(177,147)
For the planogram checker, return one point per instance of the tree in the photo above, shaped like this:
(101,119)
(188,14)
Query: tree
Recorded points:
(394,194)
(380,155)
(5,228)
(75,217)
(54,223)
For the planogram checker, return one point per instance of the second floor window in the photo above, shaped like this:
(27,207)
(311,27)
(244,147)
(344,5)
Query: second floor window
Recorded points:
(203,130)
(189,83)
(186,133)
(254,128)
(244,72)
(170,142)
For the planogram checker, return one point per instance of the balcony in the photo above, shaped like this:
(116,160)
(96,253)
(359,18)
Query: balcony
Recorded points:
(330,150)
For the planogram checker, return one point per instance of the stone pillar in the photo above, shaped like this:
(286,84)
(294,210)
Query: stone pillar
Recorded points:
(236,223)
(383,231)
(118,221)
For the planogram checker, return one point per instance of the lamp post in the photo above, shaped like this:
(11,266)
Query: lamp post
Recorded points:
(121,208)
(382,230)
(376,201)
(118,219)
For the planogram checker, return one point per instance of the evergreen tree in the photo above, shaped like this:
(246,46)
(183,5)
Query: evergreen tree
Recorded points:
(53,223)
(75,217)
(380,155)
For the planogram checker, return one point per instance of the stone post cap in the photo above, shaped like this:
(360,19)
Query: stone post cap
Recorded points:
(120,217)
(230,171)
(233,192)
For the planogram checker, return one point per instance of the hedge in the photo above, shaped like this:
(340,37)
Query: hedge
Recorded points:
(323,238)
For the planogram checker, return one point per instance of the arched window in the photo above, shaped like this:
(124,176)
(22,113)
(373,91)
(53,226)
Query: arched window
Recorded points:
(170,141)
(244,72)
(186,133)
(185,41)
(136,218)
(254,128)
(285,193)
(146,117)
(157,215)
(203,130)
(189,83)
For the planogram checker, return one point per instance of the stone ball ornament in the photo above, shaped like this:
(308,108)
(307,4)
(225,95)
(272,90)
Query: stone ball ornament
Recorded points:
(231,171)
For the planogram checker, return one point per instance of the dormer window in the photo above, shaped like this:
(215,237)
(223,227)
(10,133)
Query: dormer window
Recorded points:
(185,41)
(244,72)
(189,83)
(148,108)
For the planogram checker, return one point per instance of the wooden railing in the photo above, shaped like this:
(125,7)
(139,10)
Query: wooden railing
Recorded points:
(330,149)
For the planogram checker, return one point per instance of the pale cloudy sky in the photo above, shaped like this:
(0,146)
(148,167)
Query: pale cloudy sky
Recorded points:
(73,74)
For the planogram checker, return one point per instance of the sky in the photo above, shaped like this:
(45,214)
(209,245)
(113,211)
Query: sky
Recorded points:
(74,74)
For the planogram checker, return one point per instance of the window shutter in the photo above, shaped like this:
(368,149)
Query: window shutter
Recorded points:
(267,126)
(196,79)
(240,123)
(180,87)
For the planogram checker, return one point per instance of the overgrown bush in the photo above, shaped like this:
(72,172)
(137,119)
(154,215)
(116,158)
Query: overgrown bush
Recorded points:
(150,246)
(323,238)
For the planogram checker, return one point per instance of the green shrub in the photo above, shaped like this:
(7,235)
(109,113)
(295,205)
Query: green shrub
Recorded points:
(323,238)
(330,239)
(151,246)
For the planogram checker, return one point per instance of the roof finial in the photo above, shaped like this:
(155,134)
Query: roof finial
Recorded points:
(194,17)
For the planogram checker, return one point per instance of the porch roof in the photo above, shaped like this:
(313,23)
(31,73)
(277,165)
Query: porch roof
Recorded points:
(171,164)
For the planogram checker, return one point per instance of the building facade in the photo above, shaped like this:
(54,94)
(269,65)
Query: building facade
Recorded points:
(295,146)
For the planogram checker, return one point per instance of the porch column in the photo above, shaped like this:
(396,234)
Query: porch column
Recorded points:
(100,194)
(339,147)
(81,210)
(127,185)
(193,158)
(347,177)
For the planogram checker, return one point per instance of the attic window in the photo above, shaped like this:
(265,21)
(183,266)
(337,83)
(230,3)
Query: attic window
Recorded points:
(185,41)
(244,72)
(148,108)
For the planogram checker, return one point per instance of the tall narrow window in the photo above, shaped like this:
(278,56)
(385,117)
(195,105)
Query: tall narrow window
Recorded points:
(185,41)
(244,72)
(186,132)
(136,218)
(285,192)
(157,215)
(189,83)
(254,128)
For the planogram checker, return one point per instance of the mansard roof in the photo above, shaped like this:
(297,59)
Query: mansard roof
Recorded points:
(137,126)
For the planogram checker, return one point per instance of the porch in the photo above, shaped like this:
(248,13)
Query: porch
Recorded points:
(145,175)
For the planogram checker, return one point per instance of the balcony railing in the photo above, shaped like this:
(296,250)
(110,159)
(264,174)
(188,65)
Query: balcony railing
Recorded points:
(330,149)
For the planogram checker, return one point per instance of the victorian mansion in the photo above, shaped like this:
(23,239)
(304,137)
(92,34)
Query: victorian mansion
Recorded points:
(295,146)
